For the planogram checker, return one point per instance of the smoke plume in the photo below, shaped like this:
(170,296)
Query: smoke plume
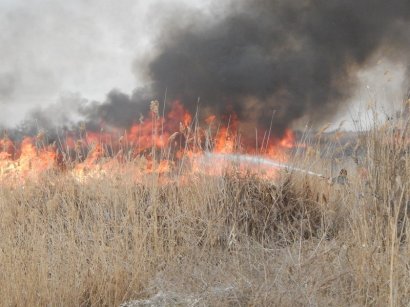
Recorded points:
(297,57)
(293,58)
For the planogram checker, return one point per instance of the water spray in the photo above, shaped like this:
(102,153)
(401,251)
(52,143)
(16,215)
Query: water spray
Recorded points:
(258,160)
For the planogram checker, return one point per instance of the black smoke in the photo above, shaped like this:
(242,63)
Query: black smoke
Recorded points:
(297,57)
(120,110)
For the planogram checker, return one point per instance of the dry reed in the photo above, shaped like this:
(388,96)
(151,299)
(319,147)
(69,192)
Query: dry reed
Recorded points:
(234,239)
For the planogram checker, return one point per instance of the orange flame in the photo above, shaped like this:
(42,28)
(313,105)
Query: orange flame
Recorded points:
(157,144)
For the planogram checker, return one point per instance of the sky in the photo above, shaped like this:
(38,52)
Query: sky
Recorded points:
(51,49)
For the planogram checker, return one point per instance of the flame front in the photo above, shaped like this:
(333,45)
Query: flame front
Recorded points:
(156,144)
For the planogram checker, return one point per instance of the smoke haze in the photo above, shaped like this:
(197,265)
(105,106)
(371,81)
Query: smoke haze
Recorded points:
(297,58)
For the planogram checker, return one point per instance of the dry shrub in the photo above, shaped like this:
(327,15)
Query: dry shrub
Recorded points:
(235,239)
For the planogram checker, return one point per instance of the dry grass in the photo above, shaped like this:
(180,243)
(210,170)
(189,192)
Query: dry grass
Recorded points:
(229,240)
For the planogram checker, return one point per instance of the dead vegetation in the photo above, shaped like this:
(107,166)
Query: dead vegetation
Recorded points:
(225,240)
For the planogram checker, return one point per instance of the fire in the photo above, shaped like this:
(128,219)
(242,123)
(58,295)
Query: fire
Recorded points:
(31,159)
(158,144)
(288,141)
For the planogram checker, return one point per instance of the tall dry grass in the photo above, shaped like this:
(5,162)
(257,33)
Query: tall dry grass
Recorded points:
(234,239)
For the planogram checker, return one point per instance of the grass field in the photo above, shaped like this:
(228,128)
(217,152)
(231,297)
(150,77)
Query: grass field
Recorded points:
(233,239)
